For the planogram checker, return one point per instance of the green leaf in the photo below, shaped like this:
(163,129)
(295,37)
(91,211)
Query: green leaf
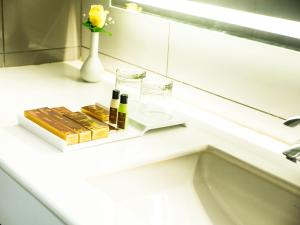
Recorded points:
(106,32)
(87,24)
(97,29)
(92,28)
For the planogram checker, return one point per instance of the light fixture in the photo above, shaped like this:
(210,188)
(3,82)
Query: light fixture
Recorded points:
(245,19)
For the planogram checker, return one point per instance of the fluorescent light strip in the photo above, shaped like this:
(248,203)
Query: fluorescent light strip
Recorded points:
(251,20)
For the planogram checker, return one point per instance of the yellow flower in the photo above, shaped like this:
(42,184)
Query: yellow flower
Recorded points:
(97,15)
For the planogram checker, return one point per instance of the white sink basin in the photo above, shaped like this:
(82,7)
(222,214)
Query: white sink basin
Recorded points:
(208,187)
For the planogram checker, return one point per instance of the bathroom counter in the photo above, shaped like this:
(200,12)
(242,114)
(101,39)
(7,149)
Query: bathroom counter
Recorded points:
(58,180)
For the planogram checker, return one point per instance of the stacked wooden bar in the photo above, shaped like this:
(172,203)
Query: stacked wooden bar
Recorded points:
(59,129)
(73,127)
(97,112)
(99,129)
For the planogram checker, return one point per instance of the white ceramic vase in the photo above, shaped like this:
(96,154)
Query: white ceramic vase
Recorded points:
(92,69)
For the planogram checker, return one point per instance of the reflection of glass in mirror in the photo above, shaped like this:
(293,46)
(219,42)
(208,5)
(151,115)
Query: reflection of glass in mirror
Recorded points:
(274,21)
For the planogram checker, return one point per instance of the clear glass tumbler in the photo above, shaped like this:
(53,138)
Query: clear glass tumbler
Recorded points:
(130,81)
(156,99)
(156,91)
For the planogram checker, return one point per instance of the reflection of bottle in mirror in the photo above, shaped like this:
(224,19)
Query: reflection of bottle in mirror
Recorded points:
(114,105)
(122,114)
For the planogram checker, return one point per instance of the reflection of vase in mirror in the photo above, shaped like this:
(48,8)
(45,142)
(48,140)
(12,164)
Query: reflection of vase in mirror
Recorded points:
(92,69)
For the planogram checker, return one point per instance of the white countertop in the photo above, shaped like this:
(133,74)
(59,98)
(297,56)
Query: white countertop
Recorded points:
(57,179)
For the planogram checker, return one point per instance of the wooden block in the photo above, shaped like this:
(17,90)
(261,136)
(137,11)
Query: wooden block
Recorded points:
(97,112)
(84,134)
(53,126)
(62,110)
(98,128)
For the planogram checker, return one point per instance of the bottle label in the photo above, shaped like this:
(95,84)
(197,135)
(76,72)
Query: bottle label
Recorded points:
(113,112)
(122,120)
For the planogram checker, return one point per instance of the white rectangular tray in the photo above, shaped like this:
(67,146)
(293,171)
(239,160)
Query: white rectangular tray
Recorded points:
(138,125)
(59,143)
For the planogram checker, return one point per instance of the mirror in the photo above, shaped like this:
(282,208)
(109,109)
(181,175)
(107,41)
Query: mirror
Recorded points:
(274,22)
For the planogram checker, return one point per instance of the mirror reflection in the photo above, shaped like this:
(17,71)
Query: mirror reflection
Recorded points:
(275,22)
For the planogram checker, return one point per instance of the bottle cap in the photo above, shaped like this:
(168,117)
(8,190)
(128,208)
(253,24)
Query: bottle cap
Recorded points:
(124,98)
(115,94)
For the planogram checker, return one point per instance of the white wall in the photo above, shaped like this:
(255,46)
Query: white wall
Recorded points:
(258,75)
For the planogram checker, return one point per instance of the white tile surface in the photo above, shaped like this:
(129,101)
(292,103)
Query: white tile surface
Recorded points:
(112,64)
(259,75)
(225,108)
(137,38)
